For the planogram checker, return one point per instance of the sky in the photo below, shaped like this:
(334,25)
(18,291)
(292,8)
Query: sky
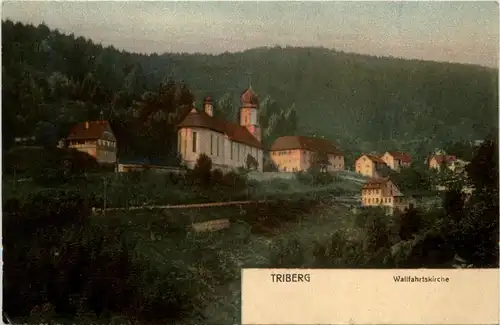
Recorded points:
(465,32)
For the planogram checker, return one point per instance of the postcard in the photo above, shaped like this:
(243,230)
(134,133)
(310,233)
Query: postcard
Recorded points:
(250,162)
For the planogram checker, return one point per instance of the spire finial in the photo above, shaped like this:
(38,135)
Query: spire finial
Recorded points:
(102,115)
(249,80)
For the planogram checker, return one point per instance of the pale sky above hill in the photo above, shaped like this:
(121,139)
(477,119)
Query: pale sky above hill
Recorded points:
(466,32)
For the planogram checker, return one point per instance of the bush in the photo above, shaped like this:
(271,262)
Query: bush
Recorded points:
(269,166)
(234,181)
(50,165)
(68,266)
(251,163)
(429,250)
(287,254)
(217,177)
(51,176)
(315,177)
(377,234)
(410,224)
(367,214)
(202,171)
(340,251)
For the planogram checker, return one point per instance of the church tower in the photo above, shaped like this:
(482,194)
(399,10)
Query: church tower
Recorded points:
(208,106)
(249,115)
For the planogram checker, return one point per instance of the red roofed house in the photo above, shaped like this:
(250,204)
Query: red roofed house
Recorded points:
(384,193)
(296,153)
(397,160)
(226,143)
(436,161)
(369,165)
(95,138)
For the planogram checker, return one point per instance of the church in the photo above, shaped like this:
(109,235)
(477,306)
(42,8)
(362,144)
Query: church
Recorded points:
(227,144)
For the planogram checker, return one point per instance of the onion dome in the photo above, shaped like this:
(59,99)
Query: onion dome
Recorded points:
(207,99)
(249,98)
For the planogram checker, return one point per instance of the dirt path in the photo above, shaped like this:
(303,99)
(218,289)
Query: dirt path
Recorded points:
(179,206)
(340,199)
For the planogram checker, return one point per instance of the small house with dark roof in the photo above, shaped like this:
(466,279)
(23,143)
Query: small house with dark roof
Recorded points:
(228,144)
(397,160)
(383,192)
(297,153)
(95,138)
(370,165)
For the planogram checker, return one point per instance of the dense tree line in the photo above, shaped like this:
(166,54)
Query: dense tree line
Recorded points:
(365,103)
(52,81)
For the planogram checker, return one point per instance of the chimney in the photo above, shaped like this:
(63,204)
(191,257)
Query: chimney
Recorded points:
(87,125)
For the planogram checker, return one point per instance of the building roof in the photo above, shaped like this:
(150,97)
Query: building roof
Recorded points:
(374,158)
(249,98)
(376,183)
(305,143)
(91,130)
(401,156)
(233,131)
(443,158)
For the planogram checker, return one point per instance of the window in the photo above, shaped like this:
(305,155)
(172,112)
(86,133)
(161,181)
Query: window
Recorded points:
(218,138)
(232,150)
(211,144)
(194,141)
(239,152)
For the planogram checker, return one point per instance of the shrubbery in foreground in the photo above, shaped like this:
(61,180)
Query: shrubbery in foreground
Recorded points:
(57,262)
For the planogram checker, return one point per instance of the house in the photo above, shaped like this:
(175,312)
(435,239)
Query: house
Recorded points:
(95,138)
(397,160)
(436,161)
(226,143)
(370,165)
(297,153)
(382,192)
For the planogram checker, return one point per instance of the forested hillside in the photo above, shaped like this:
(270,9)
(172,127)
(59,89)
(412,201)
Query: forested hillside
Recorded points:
(364,103)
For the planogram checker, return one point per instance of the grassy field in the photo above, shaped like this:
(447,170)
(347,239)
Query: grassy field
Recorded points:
(122,190)
(232,249)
